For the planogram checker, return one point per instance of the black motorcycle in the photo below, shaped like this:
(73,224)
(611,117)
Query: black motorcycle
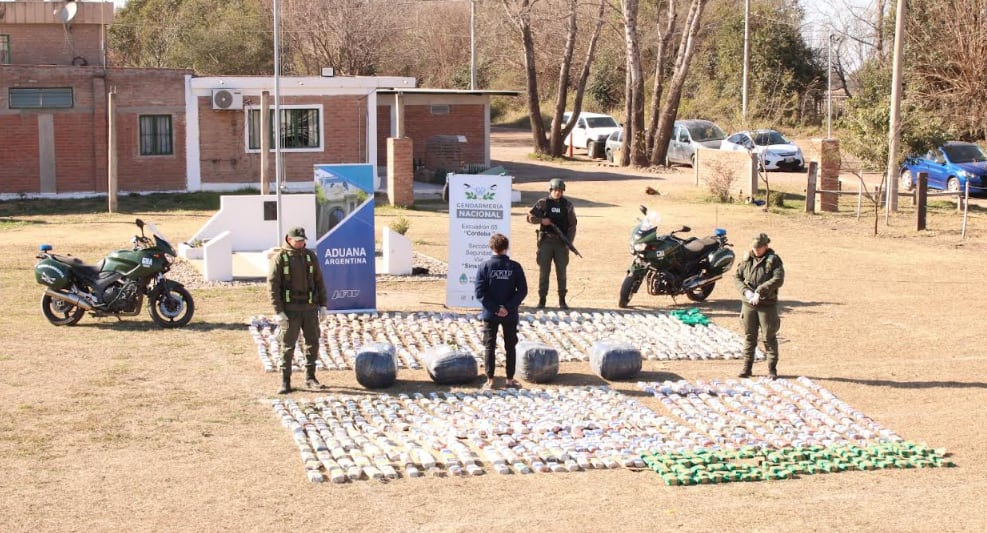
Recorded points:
(672,265)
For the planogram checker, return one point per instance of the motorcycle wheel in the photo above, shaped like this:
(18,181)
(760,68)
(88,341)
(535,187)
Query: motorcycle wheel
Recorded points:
(171,308)
(60,312)
(700,294)
(626,291)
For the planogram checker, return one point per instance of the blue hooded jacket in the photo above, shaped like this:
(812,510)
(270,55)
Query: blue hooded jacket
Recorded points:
(500,282)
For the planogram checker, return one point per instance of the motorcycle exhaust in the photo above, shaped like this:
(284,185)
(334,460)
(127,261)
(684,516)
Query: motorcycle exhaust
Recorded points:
(695,284)
(70,298)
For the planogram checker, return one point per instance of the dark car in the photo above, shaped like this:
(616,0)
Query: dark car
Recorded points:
(950,167)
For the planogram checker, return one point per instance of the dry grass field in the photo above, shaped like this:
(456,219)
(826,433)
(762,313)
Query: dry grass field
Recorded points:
(121,426)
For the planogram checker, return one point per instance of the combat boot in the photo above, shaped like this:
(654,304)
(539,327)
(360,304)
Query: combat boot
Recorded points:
(310,380)
(541,302)
(562,304)
(285,381)
(746,372)
(773,370)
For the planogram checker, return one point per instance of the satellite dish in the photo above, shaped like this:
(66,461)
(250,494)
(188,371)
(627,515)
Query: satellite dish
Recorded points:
(66,13)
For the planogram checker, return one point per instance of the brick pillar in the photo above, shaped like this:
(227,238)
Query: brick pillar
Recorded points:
(829,174)
(400,171)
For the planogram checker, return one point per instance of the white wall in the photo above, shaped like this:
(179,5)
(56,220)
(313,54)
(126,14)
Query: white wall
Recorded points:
(243,217)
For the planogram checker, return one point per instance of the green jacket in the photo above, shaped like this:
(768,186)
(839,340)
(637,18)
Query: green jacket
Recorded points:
(300,286)
(763,275)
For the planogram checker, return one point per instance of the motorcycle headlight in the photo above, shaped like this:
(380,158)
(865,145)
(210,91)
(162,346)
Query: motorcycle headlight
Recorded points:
(639,247)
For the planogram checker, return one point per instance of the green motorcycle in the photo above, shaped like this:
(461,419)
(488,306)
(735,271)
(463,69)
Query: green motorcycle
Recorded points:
(668,264)
(117,285)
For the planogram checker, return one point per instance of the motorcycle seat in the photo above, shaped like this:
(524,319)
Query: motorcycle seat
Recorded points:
(697,247)
(78,266)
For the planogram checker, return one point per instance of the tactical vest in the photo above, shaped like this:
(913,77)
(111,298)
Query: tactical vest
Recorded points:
(286,276)
(558,212)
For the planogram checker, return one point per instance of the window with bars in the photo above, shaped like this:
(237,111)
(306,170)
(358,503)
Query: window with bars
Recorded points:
(39,97)
(300,129)
(155,135)
(4,49)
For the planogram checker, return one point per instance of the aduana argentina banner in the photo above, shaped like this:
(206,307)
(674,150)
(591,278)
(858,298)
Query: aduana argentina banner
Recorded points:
(479,206)
(344,219)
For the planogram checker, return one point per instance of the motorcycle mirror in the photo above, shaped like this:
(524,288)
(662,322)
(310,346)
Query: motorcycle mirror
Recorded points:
(140,223)
(685,229)
(644,209)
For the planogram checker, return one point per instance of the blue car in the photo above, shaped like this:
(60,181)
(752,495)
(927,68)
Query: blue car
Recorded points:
(950,167)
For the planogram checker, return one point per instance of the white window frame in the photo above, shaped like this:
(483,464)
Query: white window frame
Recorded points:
(322,127)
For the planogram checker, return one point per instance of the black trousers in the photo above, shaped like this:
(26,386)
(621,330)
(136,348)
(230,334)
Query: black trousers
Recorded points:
(509,326)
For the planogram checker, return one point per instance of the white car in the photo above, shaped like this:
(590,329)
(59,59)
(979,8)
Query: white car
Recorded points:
(591,132)
(773,150)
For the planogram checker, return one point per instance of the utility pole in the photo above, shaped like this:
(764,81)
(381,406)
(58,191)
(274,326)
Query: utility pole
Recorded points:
(894,125)
(829,90)
(472,45)
(747,59)
(278,175)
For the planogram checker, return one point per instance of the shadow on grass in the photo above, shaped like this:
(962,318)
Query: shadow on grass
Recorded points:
(906,384)
(145,324)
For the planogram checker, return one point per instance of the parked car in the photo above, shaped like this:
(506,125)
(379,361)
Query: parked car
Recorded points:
(613,144)
(774,151)
(591,132)
(688,135)
(950,167)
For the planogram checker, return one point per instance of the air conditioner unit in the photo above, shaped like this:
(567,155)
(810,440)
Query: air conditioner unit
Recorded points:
(227,99)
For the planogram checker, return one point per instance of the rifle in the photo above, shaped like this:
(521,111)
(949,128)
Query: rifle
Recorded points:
(565,240)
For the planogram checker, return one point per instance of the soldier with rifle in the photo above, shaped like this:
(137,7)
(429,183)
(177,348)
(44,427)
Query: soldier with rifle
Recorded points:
(556,218)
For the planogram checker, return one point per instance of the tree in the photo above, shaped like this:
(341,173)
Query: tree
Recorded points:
(209,36)
(352,36)
(521,14)
(634,127)
(786,76)
(669,111)
(945,62)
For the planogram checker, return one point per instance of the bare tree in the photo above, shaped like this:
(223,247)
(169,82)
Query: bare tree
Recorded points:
(947,59)
(520,13)
(661,57)
(349,35)
(687,47)
(634,128)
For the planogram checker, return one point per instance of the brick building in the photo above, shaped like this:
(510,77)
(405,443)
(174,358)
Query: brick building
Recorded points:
(178,132)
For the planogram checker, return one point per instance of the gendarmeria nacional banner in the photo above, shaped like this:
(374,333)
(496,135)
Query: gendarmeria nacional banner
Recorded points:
(344,219)
(479,206)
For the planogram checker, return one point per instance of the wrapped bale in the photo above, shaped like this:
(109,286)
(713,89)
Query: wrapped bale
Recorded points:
(537,362)
(613,361)
(449,366)
(376,367)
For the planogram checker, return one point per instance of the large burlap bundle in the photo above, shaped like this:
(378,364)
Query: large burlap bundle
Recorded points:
(613,361)
(376,367)
(449,366)
(537,362)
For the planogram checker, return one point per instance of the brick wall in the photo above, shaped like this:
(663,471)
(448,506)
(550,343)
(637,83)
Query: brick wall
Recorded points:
(52,44)
(463,119)
(223,151)
(80,132)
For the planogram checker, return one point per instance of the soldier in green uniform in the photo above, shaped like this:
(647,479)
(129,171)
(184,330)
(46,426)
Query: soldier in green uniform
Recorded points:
(760,274)
(558,210)
(298,294)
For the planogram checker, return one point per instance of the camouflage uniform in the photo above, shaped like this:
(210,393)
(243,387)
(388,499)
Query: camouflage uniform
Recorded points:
(763,276)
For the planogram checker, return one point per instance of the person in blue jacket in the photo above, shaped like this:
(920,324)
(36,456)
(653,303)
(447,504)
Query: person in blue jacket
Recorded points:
(500,289)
